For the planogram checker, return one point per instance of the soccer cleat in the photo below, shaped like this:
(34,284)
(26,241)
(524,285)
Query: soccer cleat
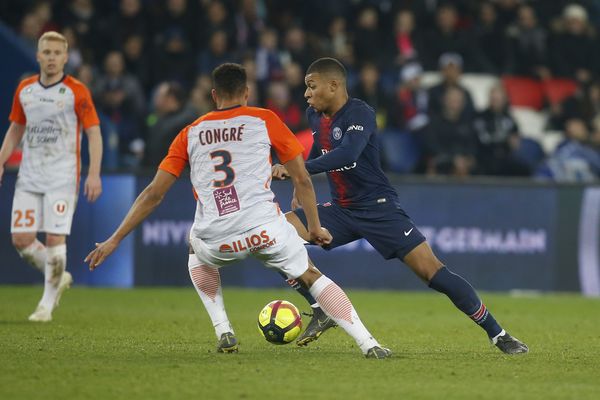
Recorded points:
(378,352)
(510,345)
(317,325)
(65,282)
(227,344)
(41,314)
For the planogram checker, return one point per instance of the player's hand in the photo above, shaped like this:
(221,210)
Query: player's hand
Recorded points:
(92,188)
(99,254)
(321,236)
(278,171)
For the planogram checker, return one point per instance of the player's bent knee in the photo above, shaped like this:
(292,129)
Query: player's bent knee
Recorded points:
(55,240)
(309,277)
(22,240)
(423,262)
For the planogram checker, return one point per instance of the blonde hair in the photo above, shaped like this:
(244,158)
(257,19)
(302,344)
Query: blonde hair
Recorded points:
(53,36)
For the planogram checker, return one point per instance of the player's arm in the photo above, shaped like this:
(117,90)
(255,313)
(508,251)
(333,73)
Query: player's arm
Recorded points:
(143,206)
(93,183)
(305,193)
(345,154)
(13,137)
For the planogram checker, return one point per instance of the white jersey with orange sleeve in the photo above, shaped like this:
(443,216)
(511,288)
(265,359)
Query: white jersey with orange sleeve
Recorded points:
(229,153)
(53,117)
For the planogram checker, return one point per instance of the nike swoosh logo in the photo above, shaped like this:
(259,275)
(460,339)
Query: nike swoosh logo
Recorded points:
(314,133)
(406,233)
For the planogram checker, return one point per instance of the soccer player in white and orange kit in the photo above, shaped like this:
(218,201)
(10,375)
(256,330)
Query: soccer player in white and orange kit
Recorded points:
(48,113)
(228,151)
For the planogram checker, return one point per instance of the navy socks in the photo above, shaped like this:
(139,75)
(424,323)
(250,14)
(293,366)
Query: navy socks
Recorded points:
(300,289)
(465,299)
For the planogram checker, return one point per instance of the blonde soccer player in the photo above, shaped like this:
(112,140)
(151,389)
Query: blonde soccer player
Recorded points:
(49,111)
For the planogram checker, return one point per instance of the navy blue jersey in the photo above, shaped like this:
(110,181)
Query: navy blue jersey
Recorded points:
(346,148)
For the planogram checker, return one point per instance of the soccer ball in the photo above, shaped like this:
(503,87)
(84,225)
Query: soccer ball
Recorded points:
(279,322)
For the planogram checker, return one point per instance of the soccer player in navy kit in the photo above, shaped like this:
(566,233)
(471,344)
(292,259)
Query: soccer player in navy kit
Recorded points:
(365,205)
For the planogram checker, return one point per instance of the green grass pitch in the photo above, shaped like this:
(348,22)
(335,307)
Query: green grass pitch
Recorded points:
(159,344)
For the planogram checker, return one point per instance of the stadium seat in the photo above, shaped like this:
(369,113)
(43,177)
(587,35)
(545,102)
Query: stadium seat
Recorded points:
(556,90)
(524,92)
(530,122)
(530,152)
(401,151)
(479,85)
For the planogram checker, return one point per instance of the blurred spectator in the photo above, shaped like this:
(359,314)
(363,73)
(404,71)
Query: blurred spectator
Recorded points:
(200,97)
(268,58)
(445,37)
(574,160)
(574,51)
(79,15)
(170,116)
(584,104)
(527,55)
(176,15)
(130,20)
(215,18)
(119,96)
(405,38)
(498,136)
(451,68)
(490,39)
(338,45)
(279,101)
(449,141)
(75,56)
(507,11)
(294,77)
(137,60)
(369,90)
(409,110)
(31,30)
(248,25)
(174,57)
(43,11)
(367,37)
(296,49)
(215,54)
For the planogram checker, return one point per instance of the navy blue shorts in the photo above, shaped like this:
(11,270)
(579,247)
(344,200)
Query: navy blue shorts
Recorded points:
(385,226)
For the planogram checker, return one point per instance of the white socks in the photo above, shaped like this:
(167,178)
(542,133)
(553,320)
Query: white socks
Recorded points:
(35,254)
(337,305)
(56,262)
(207,282)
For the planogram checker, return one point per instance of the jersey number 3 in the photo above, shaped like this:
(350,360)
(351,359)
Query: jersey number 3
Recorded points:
(224,167)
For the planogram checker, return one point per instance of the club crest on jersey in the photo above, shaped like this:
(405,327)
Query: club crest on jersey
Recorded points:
(60,207)
(337,133)
(251,243)
(61,90)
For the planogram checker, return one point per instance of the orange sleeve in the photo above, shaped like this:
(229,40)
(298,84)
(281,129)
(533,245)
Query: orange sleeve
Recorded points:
(84,107)
(17,115)
(177,157)
(284,142)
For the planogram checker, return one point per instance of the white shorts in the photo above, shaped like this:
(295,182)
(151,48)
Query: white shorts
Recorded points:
(42,212)
(276,244)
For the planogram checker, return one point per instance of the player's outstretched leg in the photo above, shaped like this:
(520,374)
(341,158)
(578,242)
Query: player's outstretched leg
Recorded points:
(207,282)
(319,322)
(336,304)
(461,293)
(56,281)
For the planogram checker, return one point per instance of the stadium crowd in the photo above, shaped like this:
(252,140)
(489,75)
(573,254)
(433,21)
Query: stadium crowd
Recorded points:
(148,63)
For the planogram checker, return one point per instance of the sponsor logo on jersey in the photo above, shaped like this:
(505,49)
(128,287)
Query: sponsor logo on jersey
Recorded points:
(61,90)
(43,133)
(355,128)
(60,207)
(252,243)
(227,200)
(337,133)
(344,168)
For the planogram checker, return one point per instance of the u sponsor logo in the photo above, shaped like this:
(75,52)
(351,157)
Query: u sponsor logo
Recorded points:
(60,207)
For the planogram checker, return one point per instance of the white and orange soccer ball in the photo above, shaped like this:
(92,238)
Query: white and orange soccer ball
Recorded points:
(280,322)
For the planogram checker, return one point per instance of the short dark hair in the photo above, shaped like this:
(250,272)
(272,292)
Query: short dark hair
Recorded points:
(229,79)
(327,65)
